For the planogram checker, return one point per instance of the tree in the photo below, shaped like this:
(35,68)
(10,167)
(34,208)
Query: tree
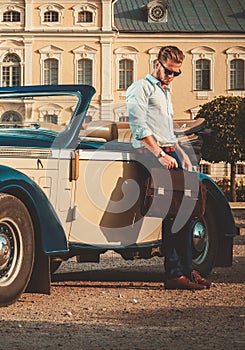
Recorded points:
(225,116)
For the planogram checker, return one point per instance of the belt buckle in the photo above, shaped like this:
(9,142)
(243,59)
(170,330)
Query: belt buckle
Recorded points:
(169,148)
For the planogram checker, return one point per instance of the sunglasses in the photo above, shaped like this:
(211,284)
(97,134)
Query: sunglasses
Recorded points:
(169,72)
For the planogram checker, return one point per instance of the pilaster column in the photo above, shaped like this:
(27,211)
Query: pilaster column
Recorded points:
(106,15)
(28,62)
(106,78)
(28,15)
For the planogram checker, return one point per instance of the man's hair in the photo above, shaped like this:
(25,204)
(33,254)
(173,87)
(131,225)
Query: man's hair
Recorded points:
(171,52)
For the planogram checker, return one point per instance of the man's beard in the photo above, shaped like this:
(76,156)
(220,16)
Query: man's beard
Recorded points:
(158,76)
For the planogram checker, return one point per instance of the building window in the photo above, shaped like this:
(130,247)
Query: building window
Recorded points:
(85,17)
(124,119)
(85,14)
(11,117)
(51,16)
(50,118)
(84,59)
(50,59)
(125,74)
(236,70)
(202,74)
(84,71)
(237,74)
(240,169)
(203,71)
(126,66)
(50,72)
(11,16)
(11,71)
(205,168)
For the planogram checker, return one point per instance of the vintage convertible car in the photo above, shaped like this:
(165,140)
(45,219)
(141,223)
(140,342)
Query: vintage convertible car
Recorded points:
(70,188)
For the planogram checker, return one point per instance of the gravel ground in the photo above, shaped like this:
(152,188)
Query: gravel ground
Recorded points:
(122,305)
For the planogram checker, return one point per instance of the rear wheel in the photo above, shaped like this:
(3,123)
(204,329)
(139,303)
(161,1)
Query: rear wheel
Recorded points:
(17,248)
(205,240)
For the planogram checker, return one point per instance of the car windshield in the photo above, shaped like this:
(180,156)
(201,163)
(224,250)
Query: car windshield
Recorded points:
(51,112)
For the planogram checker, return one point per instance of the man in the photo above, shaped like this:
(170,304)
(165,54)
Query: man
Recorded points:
(151,121)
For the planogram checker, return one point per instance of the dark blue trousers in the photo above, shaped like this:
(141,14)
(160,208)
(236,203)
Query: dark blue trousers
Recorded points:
(177,246)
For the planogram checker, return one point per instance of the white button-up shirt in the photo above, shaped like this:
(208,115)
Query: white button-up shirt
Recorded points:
(150,111)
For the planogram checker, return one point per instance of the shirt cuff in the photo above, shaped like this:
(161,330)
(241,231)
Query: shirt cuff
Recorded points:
(141,133)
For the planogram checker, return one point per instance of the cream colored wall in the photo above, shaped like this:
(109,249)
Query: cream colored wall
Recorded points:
(101,38)
(183,96)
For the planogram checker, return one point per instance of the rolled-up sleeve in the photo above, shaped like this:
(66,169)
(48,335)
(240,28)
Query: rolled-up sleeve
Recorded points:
(137,105)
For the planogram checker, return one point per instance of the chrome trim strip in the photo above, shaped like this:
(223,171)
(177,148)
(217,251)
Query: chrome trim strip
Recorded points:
(19,152)
(105,155)
(14,152)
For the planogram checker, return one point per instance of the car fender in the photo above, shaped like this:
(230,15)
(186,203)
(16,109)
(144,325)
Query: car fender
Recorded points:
(221,205)
(225,221)
(45,219)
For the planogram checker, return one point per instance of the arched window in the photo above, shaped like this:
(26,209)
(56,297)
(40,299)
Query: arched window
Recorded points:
(11,71)
(85,17)
(125,73)
(51,13)
(50,71)
(237,74)
(11,16)
(202,73)
(51,16)
(84,73)
(11,117)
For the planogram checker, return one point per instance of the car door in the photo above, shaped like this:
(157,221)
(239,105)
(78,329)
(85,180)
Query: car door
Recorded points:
(107,201)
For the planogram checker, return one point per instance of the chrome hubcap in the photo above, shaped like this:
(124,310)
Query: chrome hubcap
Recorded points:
(6,249)
(200,242)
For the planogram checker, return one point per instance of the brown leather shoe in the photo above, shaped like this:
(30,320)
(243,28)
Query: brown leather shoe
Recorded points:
(196,277)
(183,282)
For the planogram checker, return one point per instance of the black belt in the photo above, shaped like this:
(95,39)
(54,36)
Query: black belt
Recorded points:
(166,149)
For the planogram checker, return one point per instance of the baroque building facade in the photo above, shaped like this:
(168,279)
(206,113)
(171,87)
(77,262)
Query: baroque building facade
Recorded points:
(111,43)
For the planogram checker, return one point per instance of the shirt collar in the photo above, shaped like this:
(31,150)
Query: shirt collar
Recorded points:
(155,81)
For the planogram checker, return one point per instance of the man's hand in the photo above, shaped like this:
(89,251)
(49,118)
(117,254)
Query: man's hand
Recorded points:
(185,160)
(168,162)
(186,163)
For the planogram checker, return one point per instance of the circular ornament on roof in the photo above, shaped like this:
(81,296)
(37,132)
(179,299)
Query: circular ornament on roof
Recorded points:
(157,12)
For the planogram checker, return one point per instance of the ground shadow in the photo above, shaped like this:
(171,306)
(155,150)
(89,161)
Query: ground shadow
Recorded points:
(162,328)
(232,274)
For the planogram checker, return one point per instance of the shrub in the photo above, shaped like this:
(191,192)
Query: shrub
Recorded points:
(225,186)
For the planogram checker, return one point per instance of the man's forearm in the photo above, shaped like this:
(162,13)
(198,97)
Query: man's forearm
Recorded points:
(150,143)
(167,161)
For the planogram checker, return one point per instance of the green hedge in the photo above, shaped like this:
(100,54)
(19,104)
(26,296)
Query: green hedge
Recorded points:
(225,186)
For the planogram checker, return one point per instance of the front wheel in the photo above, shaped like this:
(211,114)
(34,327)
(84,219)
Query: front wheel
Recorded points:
(17,248)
